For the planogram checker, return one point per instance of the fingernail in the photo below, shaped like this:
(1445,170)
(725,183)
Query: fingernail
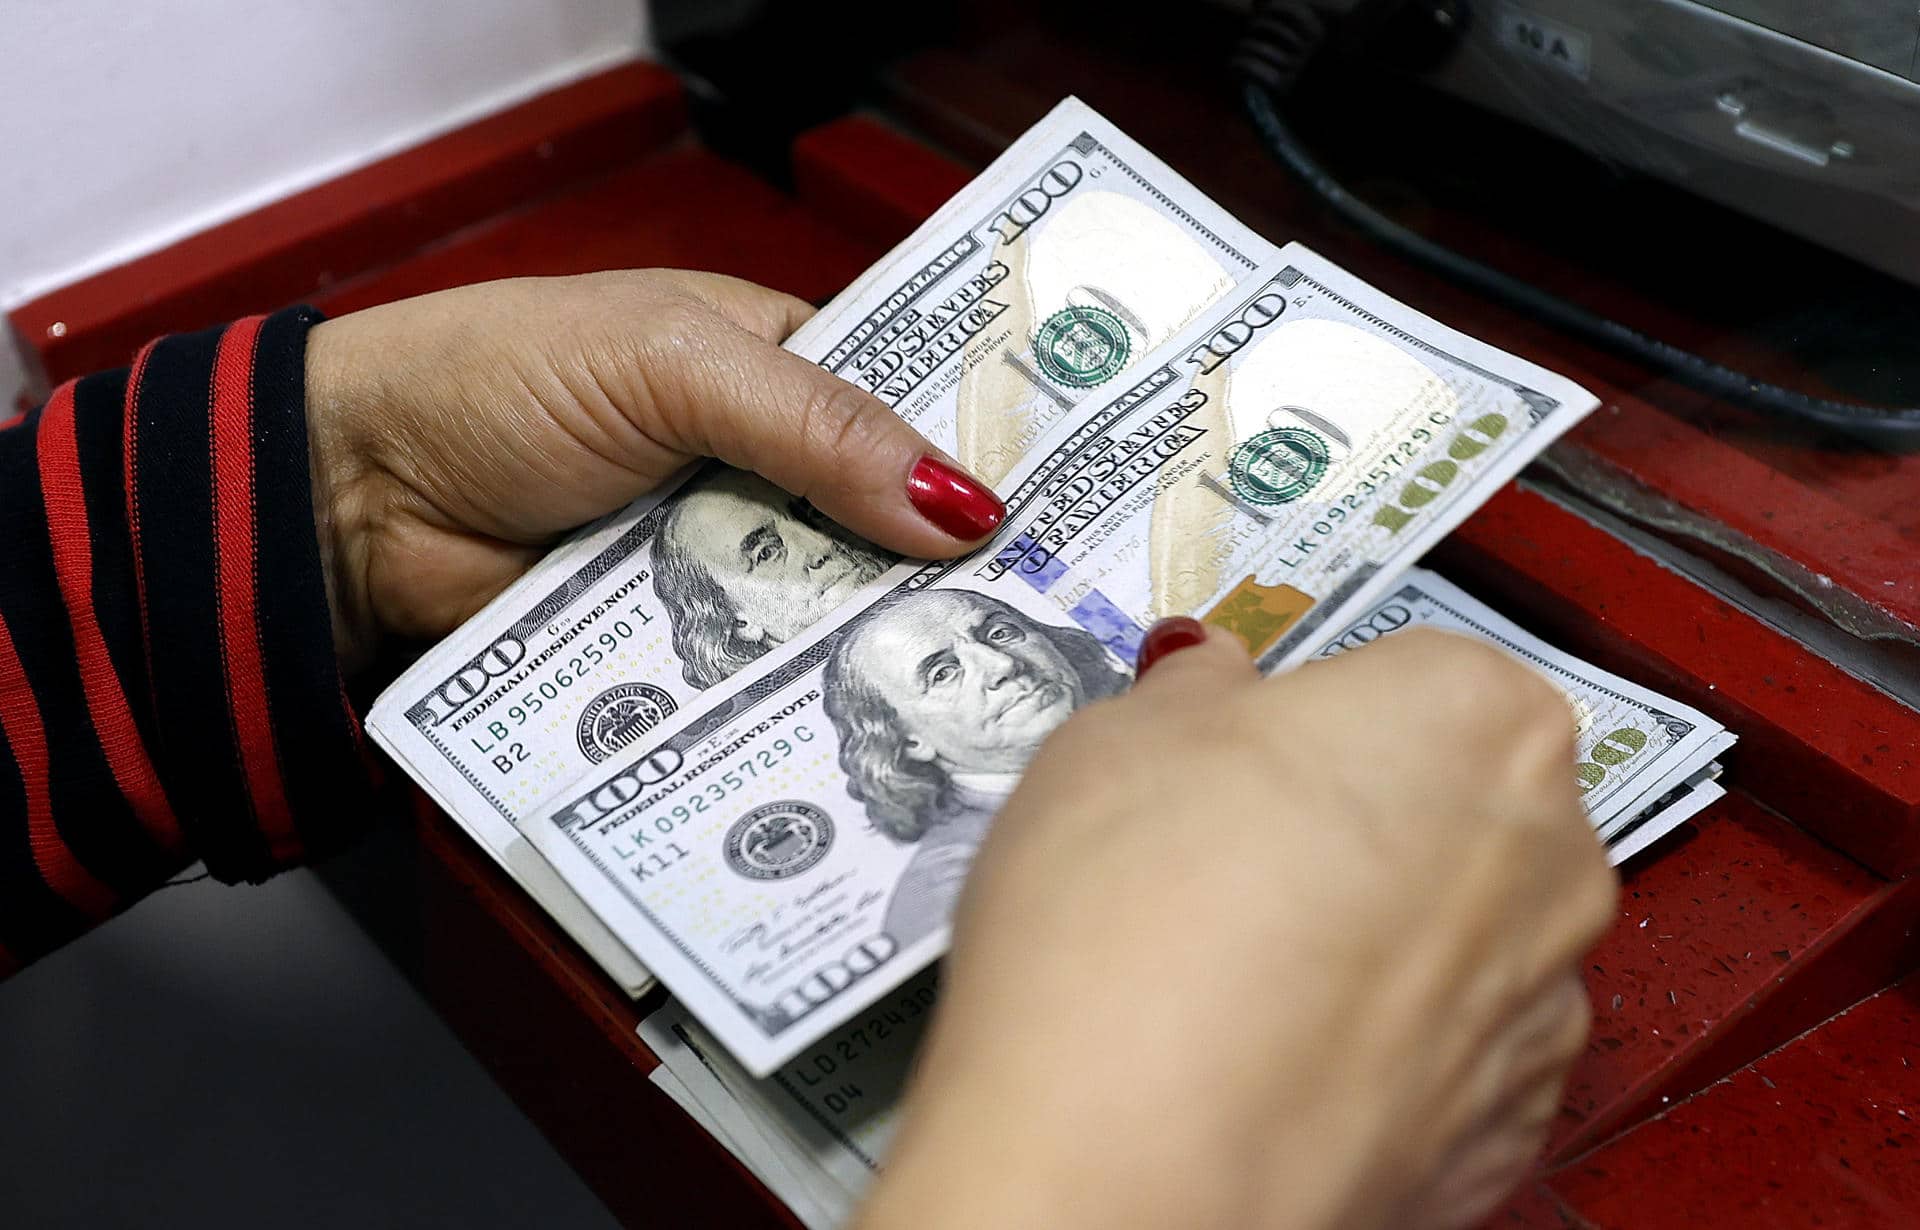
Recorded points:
(1169,635)
(956,502)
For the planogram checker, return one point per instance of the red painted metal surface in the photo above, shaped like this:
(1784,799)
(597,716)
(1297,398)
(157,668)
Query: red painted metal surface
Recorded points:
(875,179)
(1878,486)
(683,208)
(1821,1133)
(1762,511)
(287,251)
(1733,936)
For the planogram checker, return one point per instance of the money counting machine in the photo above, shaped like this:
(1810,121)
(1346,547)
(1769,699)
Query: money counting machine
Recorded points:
(1755,1023)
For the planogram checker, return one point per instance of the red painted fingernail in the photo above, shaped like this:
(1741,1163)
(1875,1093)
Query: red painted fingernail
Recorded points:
(956,502)
(1168,636)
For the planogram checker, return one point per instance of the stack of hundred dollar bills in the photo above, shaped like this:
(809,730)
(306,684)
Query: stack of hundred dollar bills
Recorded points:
(727,744)
(816,1130)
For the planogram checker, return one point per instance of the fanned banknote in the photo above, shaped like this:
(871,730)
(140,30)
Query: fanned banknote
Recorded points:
(817,1131)
(788,848)
(1075,253)
(1644,762)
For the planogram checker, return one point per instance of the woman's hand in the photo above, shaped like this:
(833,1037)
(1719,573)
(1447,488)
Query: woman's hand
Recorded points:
(455,435)
(1248,953)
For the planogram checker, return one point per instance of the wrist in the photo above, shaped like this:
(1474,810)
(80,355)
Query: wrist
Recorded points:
(1006,1172)
(981,1145)
(341,477)
(941,1180)
(1038,1132)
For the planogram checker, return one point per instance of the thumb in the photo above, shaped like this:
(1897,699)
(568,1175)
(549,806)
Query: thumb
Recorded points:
(757,407)
(1186,655)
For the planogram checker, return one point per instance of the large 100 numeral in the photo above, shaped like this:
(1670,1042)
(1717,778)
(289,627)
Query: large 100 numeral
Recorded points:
(1433,478)
(1028,208)
(1616,747)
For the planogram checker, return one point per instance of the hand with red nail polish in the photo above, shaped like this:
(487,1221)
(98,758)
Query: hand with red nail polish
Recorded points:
(457,434)
(1287,954)
(1170,635)
(954,501)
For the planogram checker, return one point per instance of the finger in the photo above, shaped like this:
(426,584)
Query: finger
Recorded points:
(1187,656)
(721,391)
(1170,635)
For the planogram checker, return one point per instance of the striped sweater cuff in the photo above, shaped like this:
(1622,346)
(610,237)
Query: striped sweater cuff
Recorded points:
(168,688)
(257,742)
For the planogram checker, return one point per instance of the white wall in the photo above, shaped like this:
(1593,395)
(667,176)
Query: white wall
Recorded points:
(131,123)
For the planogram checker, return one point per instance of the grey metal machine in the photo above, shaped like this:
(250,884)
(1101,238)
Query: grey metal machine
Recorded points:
(1805,113)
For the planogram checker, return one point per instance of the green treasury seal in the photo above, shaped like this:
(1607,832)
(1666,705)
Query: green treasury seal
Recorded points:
(1278,465)
(1082,346)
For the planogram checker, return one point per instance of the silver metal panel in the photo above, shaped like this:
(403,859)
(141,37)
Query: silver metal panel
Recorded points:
(1808,139)
(1882,33)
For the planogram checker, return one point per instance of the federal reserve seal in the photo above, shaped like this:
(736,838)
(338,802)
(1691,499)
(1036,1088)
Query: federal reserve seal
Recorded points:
(620,715)
(778,840)
(1082,346)
(1278,465)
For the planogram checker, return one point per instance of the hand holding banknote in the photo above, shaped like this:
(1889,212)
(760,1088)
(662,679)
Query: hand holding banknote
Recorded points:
(457,434)
(1300,952)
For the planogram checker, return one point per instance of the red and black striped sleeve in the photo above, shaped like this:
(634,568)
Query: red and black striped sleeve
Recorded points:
(168,685)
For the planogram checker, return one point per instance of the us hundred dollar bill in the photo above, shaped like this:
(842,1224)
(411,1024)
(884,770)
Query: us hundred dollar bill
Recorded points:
(1644,762)
(1069,258)
(688,1074)
(819,1128)
(789,847)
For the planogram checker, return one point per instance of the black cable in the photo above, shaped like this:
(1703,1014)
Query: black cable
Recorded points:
(1282,37)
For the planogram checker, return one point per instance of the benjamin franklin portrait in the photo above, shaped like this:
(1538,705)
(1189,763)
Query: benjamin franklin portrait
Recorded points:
(939,700)
(743,567)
